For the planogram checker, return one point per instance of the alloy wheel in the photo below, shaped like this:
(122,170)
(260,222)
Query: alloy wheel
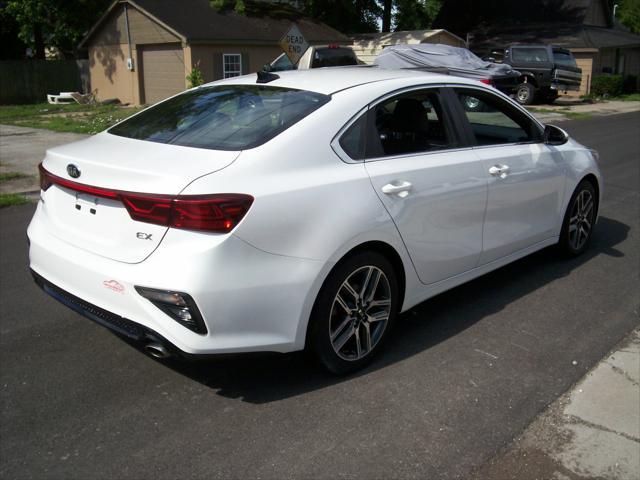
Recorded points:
(360,313)
(581,219)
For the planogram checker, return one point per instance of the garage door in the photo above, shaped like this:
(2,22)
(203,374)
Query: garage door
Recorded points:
(162,72)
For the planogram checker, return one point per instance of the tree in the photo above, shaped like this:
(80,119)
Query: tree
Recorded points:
(629,14)
(387,7)
(347,16)
(415,14)
(54,23)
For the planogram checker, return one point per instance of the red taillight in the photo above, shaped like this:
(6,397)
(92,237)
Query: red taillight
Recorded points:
(45,183)
(212,213)
(486,81)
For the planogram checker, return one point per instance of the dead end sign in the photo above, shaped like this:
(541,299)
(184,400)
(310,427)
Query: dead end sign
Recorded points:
(294,44)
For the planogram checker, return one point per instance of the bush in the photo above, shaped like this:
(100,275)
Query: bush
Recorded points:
(607,85)
(195,77)
(631,84)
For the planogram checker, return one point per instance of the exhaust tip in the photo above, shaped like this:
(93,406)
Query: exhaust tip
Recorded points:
(156,350)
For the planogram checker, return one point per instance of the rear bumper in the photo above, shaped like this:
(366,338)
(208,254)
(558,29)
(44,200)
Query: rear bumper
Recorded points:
(250,300)
(564,87)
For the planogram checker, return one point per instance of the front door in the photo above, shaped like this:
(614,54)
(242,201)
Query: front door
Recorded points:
(526,178)
(435,191)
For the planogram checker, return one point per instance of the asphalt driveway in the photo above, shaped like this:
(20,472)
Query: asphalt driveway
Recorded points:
(463,374)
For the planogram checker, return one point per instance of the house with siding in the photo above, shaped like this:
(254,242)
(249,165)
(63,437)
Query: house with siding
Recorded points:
(368,45)
(141,51)
(586,27)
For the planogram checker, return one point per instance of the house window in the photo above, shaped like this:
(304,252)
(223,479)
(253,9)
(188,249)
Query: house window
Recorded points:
(231,65)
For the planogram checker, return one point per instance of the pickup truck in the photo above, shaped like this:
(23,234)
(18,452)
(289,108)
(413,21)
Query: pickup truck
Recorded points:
(545,71)
(316,56)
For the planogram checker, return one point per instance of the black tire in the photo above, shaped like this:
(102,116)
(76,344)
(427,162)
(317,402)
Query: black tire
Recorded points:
(329,315)
(578,212)
(525,93)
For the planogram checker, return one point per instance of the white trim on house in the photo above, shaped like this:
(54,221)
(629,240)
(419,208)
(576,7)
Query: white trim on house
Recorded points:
(228,73)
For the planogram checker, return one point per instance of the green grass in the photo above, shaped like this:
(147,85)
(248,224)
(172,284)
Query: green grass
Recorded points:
(65,118)
(5,177)
(10,199)
(631,97)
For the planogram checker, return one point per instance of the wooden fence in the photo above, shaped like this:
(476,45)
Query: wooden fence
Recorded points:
(29,81)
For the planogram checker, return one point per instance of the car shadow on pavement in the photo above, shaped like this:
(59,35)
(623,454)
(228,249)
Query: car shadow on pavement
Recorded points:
(267,377)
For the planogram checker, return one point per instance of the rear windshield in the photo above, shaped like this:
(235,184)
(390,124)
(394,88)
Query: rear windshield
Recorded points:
(333,57)
(229,117)
(564,57)
(529,54)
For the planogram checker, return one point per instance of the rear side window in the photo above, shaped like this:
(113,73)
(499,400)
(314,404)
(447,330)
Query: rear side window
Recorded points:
(333,57)
(352,140)
(529,54)
(564,57)
(495,122)
(225,117)
(409,123)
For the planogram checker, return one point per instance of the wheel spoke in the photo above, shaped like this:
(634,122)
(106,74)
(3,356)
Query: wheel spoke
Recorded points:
(374,279)
(378,317)
(358,346)
(587,209)
(379,303)
(367,337)
(351,291)
(343,304)
(342,326)
(365,284)
(344,338)
(576,239)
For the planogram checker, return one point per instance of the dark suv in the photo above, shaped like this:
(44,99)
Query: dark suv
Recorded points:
(545,71)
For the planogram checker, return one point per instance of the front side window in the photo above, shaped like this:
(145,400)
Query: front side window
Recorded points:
(528,55)
(231,65)
(409,123)
(224,117)
(494,121)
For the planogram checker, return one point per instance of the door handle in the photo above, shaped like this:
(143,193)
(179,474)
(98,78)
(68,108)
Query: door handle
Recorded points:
(499,171)
(401,189)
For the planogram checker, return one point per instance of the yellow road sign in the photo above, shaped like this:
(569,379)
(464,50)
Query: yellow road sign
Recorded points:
(294,44)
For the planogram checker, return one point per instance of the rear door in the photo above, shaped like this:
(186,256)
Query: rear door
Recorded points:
(525,177)
(434,190)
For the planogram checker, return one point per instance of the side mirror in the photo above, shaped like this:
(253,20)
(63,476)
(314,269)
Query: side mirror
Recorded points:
(555,135)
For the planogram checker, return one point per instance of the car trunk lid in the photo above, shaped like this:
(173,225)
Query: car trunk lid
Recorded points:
(96,221)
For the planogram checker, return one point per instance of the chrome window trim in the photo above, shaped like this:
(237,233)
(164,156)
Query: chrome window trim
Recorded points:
(502,96)
(335,142)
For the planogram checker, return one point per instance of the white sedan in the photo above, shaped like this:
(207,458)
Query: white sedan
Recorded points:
(302,210)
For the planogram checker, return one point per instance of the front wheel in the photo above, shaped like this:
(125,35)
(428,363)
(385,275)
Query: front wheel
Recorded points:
(579,219)
(353,313)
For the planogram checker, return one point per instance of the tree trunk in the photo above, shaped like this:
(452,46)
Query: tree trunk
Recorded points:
(39,41)
(386,16)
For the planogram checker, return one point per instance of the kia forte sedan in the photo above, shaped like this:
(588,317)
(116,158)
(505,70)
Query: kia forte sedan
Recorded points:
(303,210)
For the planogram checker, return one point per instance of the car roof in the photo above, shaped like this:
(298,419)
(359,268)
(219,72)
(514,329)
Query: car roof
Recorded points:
(334,79)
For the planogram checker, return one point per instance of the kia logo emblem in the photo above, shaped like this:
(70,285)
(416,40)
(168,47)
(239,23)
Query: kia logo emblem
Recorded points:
(73,171)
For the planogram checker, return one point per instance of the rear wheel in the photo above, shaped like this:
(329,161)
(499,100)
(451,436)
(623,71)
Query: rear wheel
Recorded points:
(579,219)
(353,313)
(525,93)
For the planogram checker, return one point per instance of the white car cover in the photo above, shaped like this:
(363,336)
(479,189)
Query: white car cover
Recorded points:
(439,57)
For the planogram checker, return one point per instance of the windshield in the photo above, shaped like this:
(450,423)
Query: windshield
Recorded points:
(564,57)
(224,117)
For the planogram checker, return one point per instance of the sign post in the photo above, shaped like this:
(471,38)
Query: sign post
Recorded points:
(294,44)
